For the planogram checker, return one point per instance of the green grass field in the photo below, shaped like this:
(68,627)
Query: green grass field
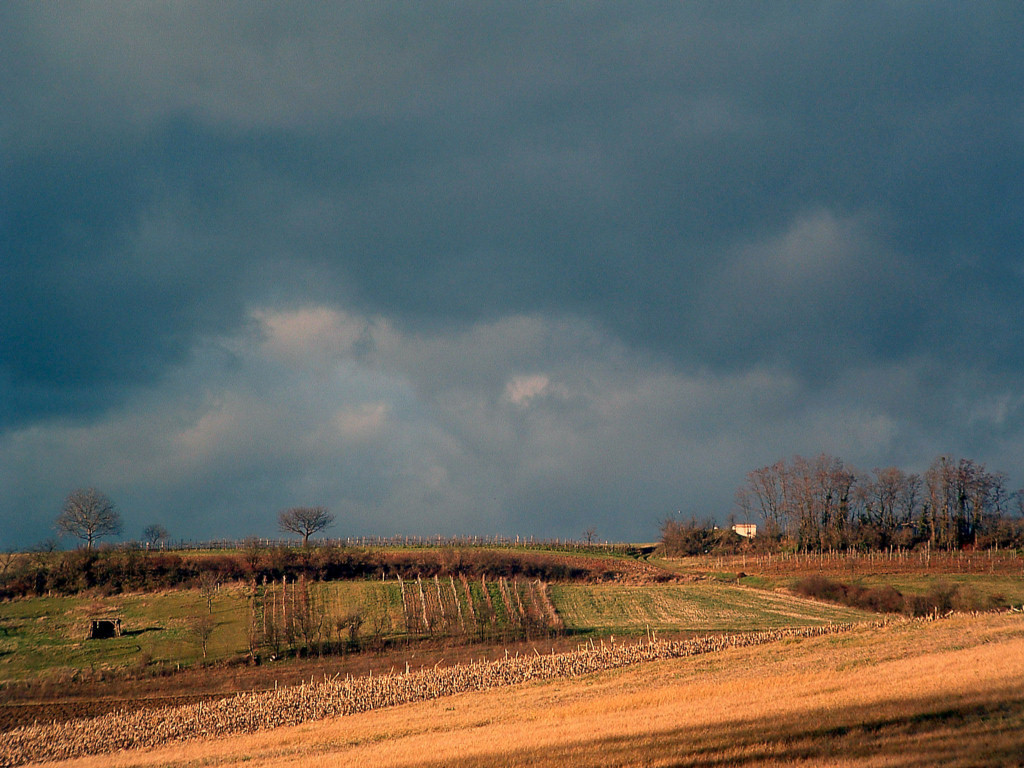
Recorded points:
(699,607)
(987,579)
(50,634)
(46,637)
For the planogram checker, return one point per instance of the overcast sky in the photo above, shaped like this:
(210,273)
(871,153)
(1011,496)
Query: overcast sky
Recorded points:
(499,268)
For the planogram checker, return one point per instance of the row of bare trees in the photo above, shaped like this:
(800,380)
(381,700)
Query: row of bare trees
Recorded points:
(822,504)
(90,515)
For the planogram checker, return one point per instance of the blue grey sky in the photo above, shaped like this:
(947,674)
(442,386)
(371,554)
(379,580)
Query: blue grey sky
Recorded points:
(499,268)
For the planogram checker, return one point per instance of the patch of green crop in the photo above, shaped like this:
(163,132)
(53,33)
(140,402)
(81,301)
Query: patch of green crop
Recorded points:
(377,603)
(500,612)
(704,606)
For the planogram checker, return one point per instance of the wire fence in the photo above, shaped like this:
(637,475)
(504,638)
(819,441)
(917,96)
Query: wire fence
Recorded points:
(398,542)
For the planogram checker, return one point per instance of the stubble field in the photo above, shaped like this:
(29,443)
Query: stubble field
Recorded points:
(946,692)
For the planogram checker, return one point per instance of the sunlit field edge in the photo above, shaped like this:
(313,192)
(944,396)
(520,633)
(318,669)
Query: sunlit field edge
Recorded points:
(916,694)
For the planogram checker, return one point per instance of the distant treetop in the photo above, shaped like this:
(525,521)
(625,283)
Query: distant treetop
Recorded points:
(305,521)
(89,515)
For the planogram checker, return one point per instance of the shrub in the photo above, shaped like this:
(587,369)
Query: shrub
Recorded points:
(878,599)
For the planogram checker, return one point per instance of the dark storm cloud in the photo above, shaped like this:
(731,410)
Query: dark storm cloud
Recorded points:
(800,195)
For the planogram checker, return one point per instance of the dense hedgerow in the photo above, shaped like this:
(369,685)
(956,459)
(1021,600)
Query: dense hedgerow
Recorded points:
(112,571)
(940,598)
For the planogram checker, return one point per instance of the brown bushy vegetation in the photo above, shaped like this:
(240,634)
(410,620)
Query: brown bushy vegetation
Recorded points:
(113,571)
(685,538)
(940,598)
(880,599)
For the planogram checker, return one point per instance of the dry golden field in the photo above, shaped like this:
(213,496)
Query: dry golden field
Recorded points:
(949,692)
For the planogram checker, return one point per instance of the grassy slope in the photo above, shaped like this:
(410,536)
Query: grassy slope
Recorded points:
(47,635)
(995,575)
(703,606)
(50,633)
(912,695)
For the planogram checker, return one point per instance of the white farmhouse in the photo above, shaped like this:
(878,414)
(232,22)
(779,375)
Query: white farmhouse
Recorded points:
(746,530)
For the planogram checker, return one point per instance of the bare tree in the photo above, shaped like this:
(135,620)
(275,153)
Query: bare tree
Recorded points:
(827,505)
(589,535)
(89,515)
(7,559)
(209,584)
(304,521)
(351,622)
(252,553)
(155,535)
(201,627)
(310,618)
(41,552)
(770,488)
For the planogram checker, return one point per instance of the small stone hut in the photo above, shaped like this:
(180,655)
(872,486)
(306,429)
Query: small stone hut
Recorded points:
(101,629)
